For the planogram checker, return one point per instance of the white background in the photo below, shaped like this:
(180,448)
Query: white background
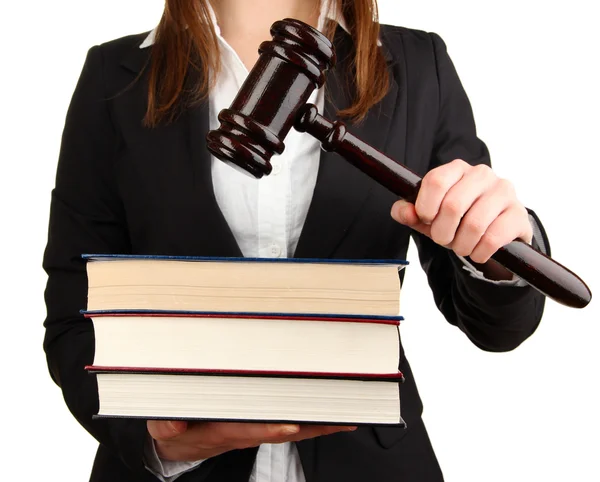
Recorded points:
(531,71)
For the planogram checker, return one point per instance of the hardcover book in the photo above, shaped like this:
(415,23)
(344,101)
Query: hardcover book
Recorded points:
(121,282)
(231,341)
(250,396)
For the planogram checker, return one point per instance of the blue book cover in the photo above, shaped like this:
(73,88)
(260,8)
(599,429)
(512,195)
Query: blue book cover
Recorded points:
(108,257)
(384,319)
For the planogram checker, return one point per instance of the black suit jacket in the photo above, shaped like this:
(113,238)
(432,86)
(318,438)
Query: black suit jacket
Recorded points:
(123,188)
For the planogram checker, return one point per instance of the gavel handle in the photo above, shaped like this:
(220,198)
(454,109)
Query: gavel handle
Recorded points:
(535,268)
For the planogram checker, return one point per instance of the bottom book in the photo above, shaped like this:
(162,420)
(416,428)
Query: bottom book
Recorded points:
(250,396)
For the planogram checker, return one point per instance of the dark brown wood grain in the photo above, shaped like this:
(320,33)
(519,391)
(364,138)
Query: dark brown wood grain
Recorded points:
(289,69)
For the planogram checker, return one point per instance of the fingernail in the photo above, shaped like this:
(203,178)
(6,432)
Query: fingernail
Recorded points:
(350,429)
(290,429)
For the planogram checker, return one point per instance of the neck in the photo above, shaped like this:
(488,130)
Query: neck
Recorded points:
(245,24)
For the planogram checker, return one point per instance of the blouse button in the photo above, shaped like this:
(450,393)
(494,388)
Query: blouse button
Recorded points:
(276,164)
(275,251)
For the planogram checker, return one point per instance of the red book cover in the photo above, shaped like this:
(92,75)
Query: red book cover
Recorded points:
(386,320)
(391,377)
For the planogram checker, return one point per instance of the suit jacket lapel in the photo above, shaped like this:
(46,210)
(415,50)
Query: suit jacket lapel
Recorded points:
(342,189)
(208,233)
(221,241)
(135,59)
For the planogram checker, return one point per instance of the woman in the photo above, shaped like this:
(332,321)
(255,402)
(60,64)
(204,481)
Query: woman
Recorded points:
(134,176)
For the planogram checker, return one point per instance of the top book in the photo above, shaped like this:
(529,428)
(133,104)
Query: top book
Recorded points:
(134,283)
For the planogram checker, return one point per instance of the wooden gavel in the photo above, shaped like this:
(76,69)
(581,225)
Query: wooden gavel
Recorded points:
(272,100)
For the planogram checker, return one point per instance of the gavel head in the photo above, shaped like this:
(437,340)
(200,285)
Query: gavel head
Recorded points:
(288,70)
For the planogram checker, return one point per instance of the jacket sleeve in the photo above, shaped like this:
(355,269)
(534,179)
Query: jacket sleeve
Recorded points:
(495,317)
(86,216)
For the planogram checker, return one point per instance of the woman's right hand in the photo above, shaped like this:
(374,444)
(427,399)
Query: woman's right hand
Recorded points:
(191,441)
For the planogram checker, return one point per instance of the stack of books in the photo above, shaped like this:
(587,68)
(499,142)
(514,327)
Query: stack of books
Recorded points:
(238,339)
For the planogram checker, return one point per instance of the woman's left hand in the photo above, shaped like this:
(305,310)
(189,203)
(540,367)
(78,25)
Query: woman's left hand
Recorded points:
(467,209)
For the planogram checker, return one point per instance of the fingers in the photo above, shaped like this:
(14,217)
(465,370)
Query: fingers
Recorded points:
(459,199)
(180,441)
(478,218)
(501,232)
(466,208)
(312,431)
(244,435)
(434,186)
(435,214)
(220,434)
(202,440)
(166,429)
(405,213)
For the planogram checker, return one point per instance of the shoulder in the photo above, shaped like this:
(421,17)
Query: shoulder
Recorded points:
(116,60)
(409,44)
(125,51)
(118,47)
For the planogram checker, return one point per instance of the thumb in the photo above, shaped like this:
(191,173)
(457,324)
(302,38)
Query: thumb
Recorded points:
(166,429)
(405,213)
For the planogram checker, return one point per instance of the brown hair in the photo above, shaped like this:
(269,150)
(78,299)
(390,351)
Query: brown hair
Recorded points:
(183,45)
